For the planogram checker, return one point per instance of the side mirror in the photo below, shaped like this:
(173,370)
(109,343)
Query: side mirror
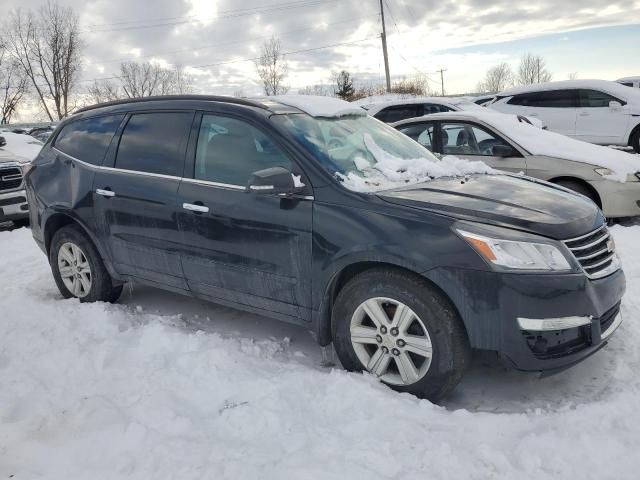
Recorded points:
(275,180)
(504,151)
(613,105)
(3,141)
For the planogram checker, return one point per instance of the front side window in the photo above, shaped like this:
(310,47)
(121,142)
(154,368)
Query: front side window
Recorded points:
(155,143)
(627,84)
(467,139)
(366,155)
(88,139)
(596,99)
(420,132)
(430,108)
(229,151)
(546,99)
(398,112)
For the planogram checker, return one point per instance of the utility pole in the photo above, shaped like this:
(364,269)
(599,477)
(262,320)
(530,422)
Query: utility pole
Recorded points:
(384,48)
(442,70)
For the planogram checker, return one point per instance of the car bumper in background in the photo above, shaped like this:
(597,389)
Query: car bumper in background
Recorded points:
(13,206)
(619,199)
(536,322)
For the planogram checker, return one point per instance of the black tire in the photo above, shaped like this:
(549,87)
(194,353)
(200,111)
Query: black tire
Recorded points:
(580,188)
(23,222)
(635,140)
(102,286)
(451,353)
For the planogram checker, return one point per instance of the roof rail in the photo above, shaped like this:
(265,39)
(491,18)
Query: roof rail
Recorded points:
(209,98)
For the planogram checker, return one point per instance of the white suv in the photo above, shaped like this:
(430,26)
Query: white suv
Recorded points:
(596,111)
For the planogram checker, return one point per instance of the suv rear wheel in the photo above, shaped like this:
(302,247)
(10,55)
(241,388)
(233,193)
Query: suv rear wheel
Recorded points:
(635,140)
(78,268)
(401,329)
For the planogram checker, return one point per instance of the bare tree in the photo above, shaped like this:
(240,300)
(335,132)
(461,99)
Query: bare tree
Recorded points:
(272,68)
(104,91)
(318,90)
(14,84)
(533,69)
(344,85)
(573,76)
(47,46)
(497,79)
(412,87)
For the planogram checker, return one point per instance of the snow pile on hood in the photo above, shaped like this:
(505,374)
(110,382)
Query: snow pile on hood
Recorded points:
(390,171)
(23,148)
(551,144)
(319,106)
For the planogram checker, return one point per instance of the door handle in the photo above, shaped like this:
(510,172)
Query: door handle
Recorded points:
(105,192)
(584,114)
(192,207)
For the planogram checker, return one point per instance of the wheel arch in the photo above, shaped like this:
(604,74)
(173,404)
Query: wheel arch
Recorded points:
(584,183)
(634,131)
(323,327)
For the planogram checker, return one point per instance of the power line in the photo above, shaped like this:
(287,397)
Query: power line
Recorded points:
(229,14)
(233,42)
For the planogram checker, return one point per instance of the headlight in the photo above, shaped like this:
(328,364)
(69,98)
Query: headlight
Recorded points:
(603,172)
(517,255)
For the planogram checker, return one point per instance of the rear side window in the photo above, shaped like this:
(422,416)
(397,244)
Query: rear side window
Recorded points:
(399,112)
(230,150)
(88,139)
(596,99)
(155,143)
(546,99)
(626,84)
(430,108)
(421,133)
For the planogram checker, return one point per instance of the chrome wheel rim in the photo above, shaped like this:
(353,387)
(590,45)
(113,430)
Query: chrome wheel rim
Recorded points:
(74,269)
(391,341)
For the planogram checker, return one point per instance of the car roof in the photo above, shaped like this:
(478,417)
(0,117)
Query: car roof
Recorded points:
(629,79)
(613,88)
(481,115)
(374,104)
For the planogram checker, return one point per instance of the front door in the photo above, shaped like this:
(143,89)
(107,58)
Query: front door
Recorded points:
(136,197)
(475,142)
(240,247)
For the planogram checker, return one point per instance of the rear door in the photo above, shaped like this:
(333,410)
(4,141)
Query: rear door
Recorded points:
(242,247)
(136,196)
(474,142)
(597,122)
(556,108)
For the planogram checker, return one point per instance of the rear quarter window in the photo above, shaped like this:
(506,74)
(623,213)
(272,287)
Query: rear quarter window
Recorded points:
(88,139)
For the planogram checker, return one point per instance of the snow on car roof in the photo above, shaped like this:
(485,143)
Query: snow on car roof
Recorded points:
(319,106)
(550,144)
(19,147)
(613,88)
(376,103)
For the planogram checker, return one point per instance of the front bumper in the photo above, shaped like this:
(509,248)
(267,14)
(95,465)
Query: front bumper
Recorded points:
(13,206)
(491,304)
(618,199)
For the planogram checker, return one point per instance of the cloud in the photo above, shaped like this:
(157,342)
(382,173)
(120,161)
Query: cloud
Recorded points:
(192,33)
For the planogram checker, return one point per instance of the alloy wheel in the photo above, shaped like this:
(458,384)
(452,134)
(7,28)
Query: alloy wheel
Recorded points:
(74,269)
(391,341)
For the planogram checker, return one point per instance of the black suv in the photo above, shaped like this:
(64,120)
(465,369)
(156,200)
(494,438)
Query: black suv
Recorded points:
(309,211)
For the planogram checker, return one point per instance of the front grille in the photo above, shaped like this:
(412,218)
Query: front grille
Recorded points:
(595,252)
(608,318)
(10,178)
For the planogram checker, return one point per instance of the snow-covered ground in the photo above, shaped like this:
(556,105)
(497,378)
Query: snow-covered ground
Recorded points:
(164,387)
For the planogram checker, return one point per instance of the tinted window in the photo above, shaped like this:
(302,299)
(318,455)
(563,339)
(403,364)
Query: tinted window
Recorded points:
(155,143)
(230,150)
(468,139)
(421,133)
(434,108)
(595,99)
(546,99)
(398,112)
(88,139)
(627,84)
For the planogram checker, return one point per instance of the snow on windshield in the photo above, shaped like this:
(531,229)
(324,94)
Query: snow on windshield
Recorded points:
(390,171)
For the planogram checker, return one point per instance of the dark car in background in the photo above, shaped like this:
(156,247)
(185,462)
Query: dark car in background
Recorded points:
(308,211)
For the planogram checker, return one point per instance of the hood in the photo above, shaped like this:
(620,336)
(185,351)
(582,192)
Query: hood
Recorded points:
(520,203)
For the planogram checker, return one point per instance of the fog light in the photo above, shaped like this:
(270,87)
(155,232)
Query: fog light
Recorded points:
(546,324)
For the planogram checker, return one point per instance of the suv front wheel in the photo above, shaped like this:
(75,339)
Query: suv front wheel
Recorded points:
(78,268)
(402,330)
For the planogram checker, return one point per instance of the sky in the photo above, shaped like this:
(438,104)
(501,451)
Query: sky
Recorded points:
(212,39)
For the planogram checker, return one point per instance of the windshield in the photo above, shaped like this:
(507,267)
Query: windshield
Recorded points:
(368,155)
